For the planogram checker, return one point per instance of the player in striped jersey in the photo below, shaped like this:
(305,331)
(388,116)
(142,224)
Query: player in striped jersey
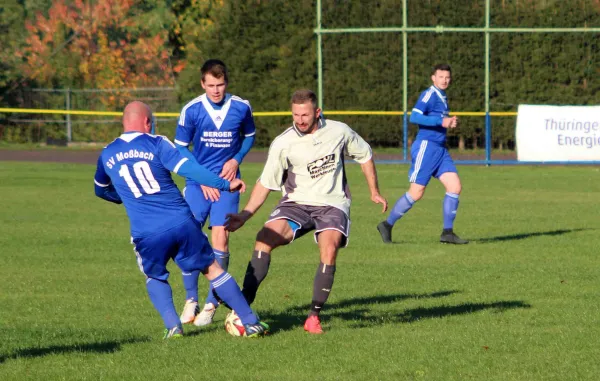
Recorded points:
(430,157)
(135,169)
(221,129)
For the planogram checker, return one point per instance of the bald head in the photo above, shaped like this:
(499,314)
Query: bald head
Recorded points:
(137,116)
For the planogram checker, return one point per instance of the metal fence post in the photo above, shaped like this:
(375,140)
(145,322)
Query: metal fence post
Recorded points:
(68,107)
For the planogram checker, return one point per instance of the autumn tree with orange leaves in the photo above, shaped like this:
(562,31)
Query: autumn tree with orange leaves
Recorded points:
(104,44)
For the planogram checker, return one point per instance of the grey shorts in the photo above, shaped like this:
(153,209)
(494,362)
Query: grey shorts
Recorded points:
(305,218)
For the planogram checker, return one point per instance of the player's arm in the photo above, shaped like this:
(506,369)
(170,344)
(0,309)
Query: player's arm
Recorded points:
(417,117)
(248,129)
(174,161)
(259,195)
(184,133)
(185,151)
(270,179)
(186,127)
(368,169)
(420,114)
(247,144)
(359,150)
(103,186)
(210,193)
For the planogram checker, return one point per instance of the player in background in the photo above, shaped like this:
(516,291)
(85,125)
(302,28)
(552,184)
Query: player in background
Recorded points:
(135,169)
(430,157)
(306,163)
(221,128)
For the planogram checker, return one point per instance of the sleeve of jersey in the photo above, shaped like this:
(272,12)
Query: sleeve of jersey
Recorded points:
(185,129)
(192,170)
(248,127)
(185,152)
(275,167)
(175,162)
(247,143)
(357,148)
(102,184)
(420,111)
(249,132)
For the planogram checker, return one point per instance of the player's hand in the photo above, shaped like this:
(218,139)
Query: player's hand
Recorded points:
(449,122)
(211,194)
(237,185)
(234,221)
(454,124)
(229,169)
(379,199)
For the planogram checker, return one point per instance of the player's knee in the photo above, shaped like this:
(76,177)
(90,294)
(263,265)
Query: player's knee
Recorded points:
(416,194)
(269,238)
(329,254)
(455,188)
(220,239)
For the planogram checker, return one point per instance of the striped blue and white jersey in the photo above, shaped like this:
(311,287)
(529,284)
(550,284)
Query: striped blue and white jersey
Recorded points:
(432,103)
(216,131)
(139,167)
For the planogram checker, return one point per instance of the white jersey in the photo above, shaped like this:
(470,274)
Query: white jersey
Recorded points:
(309,168)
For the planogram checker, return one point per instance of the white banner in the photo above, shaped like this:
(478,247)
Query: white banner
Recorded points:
(558,133)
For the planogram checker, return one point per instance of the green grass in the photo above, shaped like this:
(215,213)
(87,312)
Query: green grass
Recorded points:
(520,302)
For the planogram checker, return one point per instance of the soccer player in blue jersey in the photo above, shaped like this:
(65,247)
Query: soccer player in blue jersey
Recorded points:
(221,129)
(135,169)
(430,157)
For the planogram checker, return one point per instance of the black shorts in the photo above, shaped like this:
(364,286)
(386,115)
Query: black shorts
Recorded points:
(309,217)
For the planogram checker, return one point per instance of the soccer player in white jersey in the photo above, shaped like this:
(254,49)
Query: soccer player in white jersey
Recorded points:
(221,129)
(306,163)
(430,158)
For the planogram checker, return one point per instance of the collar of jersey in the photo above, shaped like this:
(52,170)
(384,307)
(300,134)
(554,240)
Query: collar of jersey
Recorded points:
(439,90)
(130,135)
(441,94)
(321,124)
(218,106)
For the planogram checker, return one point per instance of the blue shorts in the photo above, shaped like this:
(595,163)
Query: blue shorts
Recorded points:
(202,208)
(185,243)
(429,160)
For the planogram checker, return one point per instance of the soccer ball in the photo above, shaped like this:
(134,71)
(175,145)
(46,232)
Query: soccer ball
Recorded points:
(233,325)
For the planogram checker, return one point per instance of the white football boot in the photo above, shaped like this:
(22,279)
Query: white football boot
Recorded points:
(190,310)
(205,317)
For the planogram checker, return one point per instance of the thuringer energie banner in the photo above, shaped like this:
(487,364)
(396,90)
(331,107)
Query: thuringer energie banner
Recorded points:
(558,133)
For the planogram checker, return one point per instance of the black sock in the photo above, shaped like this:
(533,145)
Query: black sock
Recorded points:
(256,272)
(322,287)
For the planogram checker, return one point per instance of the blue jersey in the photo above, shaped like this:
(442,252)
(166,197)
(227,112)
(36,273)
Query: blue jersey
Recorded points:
(139,167)
(433,104)
(216,131)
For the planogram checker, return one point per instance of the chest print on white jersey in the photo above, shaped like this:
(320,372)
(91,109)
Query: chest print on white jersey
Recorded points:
(321,166)
(217,116)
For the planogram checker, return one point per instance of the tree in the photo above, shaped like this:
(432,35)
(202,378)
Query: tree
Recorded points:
(101,44)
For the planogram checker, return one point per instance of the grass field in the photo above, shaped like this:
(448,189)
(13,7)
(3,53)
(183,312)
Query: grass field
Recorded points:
(521,302)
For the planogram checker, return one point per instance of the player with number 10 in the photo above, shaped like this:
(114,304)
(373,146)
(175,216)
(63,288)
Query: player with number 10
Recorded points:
(135,169)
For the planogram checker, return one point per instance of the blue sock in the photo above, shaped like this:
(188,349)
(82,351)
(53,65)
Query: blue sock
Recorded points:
(402,206)
(162,299)
(229,291)
(222,258)
(190,283)
(450,207)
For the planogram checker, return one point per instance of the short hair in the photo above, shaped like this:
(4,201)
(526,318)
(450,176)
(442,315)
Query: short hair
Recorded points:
(216,68)
(441,67)
(303,96)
